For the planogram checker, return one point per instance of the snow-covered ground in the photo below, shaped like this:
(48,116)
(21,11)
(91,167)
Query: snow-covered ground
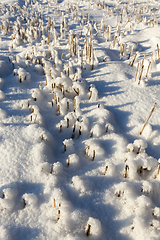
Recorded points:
(79,120)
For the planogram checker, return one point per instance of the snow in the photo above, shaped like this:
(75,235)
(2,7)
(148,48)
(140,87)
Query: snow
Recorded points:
(79,120)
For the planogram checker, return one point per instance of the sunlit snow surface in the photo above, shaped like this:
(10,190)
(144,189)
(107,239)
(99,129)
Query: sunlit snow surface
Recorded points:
(79,82)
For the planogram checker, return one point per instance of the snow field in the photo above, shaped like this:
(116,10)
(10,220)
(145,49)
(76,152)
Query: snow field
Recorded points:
(79,169)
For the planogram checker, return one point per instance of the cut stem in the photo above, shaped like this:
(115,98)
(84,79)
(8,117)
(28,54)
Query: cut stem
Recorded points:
(158,170)
(88,230)
(125,173)
(140,76)
(136,72)
(148,68)
(106,168)
(148,118)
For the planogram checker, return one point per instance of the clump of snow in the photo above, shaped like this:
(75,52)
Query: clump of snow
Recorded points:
(2,95)
(22,75)
(30,199)
(73,160)
(82,184)
(3,114)
(95,227)
(93,93)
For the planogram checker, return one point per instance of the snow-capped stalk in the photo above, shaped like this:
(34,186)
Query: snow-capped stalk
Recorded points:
(88,230)
(136,72)
(148,118)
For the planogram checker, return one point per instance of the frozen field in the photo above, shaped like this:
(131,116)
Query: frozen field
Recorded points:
(79,120)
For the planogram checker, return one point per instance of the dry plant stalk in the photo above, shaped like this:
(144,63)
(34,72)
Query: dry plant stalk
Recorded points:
(136,72)
(130,52)
(58,215)
(67,105)
(140,76)
(80,130)
(51,168)
(67,122)
(68,160)
(59,111)
(119,193)
(139,150)
(121,50)
(24,202)
(90,95)
(94,154)
(104,29)
(125,172)
(143,60)
(93,60)
(114,41)
(158,51)
(158,170)
(3,195)
(74,104)
(82,59)
(107,34)
(106,168)
(88,230)
(54,202)
(148,118)
(148,68)
(60,128)
(131,64)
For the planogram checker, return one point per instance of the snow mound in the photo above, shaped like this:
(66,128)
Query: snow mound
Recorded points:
(4,69)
